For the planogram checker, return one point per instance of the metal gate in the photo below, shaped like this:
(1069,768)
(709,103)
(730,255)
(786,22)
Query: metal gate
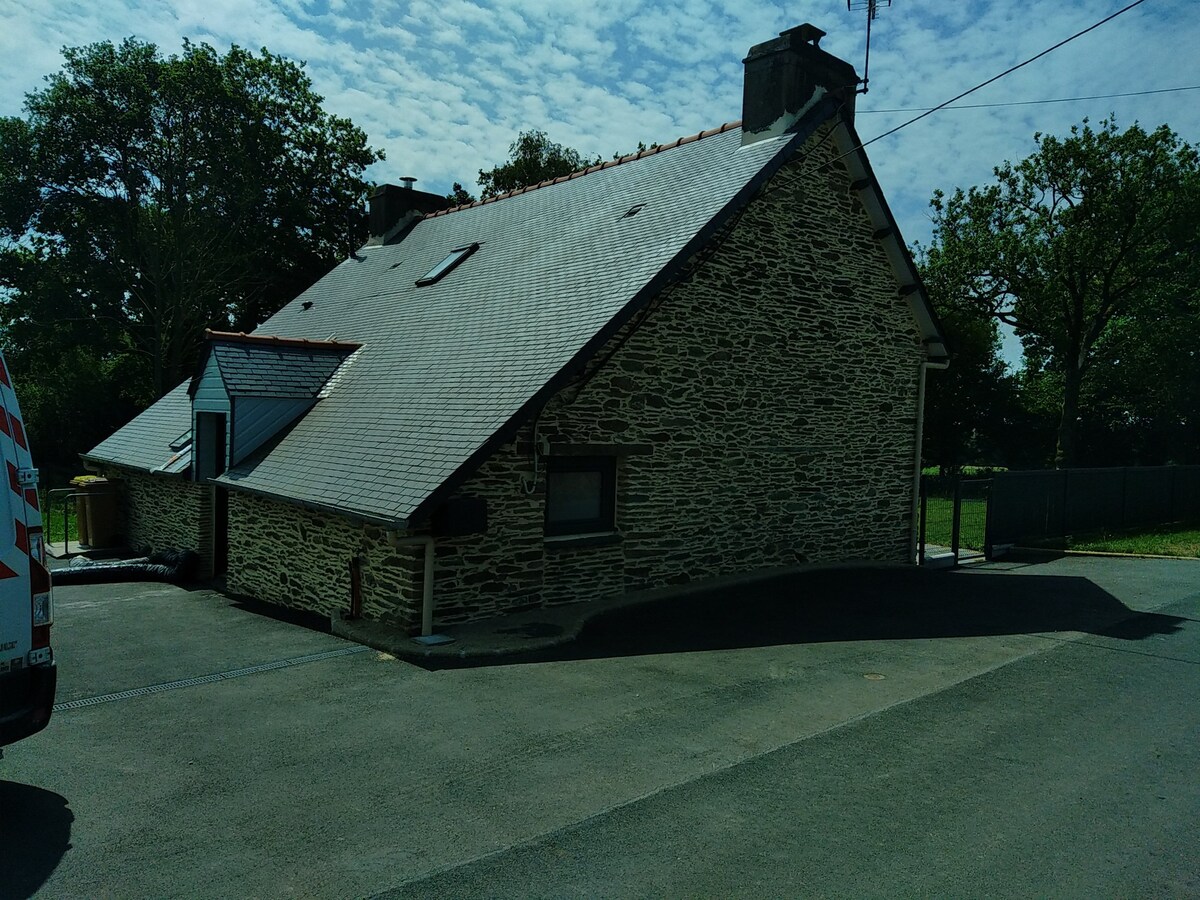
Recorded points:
(954,517)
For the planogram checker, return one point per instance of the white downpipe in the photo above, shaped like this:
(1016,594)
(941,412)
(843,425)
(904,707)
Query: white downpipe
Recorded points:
(916,492)
(427,587)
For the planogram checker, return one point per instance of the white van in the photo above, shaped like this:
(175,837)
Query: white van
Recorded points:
(27,674)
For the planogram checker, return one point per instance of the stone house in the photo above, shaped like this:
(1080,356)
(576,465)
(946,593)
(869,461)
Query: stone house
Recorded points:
(702,359)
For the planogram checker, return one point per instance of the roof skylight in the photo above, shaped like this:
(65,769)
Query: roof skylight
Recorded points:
(447,265)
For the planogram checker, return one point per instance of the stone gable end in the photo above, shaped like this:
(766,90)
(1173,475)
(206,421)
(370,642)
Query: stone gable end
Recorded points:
(771,394)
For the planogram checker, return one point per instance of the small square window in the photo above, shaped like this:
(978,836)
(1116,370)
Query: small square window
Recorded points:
(581,495)
(447,265)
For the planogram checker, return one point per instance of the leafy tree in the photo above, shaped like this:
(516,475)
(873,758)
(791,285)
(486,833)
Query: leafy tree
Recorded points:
(459,195)
(1085,232)
(971,407)
(147,198)
(1144,392)
(532,158)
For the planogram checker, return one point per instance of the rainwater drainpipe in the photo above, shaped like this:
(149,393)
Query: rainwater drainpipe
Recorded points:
(916,491)
(427,586)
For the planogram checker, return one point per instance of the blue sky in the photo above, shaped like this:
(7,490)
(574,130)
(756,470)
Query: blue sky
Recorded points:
(443,86)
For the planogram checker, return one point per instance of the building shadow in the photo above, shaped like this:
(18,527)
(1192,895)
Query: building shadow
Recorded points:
(300,617)
(35,834)
(869,604)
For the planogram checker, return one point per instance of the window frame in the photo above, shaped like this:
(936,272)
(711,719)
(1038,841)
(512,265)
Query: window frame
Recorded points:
(447,264)
(606,522)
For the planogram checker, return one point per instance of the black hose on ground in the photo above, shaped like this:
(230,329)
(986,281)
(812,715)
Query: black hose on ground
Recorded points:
(174,566)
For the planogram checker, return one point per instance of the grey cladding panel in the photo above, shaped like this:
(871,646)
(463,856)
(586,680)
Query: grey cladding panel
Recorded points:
(258,419)
(210,395)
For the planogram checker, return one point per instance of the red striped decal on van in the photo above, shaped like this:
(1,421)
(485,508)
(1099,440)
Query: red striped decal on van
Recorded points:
(6,572)
(22,537)
(14,481)
(31,498)
(18,432)
(4,374)
(4,422)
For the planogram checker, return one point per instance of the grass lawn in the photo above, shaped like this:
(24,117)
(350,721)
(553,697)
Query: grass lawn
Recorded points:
(1165,540)
(52,519)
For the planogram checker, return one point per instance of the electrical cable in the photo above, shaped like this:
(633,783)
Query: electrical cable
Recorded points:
(995,78)
(1190,87)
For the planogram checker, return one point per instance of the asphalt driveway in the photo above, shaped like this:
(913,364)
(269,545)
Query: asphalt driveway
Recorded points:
(206,749)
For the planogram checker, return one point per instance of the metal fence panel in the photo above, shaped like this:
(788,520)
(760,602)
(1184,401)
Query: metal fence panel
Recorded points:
(1026,506)
(1147,497)
(1050,505)
(1186,491)
(953,518)
(1094,499)
(973,506)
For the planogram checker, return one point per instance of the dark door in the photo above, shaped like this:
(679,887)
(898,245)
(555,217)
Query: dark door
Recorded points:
(212,459)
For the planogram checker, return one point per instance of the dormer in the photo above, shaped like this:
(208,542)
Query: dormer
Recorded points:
(249,388)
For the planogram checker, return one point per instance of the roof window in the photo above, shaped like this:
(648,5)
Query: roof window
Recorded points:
(634,210)
(447,265)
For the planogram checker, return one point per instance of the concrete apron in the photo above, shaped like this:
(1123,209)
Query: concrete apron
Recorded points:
(542,629)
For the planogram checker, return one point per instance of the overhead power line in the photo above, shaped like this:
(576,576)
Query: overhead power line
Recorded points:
(1007,71)
(1190,87)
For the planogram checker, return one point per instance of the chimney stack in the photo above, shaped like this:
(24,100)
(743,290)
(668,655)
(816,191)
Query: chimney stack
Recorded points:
(392,207)
(785,77)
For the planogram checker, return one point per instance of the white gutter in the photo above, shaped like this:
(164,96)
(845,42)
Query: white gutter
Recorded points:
(916,492)
(427,586)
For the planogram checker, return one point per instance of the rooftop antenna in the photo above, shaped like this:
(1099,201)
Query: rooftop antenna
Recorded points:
(872,9)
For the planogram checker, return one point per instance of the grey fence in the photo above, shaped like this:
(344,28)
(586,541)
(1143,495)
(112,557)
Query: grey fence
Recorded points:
(1031,507)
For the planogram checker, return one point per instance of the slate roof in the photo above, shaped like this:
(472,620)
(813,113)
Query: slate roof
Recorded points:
(445,366)
(449,369)
(145,443)
(288,371)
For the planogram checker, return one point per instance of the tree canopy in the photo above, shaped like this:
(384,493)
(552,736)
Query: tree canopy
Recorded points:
(532,158)
(149,197)
(971,407)
(1073,246)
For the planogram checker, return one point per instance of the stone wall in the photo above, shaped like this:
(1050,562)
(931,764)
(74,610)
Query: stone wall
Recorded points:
(771,399)
(294,557)
(772,395)
(166,512)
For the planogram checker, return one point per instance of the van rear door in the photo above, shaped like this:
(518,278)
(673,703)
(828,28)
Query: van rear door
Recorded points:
(27,673)
(16,614)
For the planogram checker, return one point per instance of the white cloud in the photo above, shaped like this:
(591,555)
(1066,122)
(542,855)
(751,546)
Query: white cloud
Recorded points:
(444,85)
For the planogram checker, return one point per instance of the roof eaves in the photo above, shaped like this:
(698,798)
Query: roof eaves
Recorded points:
(912,287)
(608,164)
(269,340)
(314,506)
(125,467)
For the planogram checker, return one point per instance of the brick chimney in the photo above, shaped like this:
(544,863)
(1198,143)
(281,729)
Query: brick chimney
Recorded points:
(392,207)
(787,76)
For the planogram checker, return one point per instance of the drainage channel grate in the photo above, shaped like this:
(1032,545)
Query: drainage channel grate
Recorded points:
(208,679)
